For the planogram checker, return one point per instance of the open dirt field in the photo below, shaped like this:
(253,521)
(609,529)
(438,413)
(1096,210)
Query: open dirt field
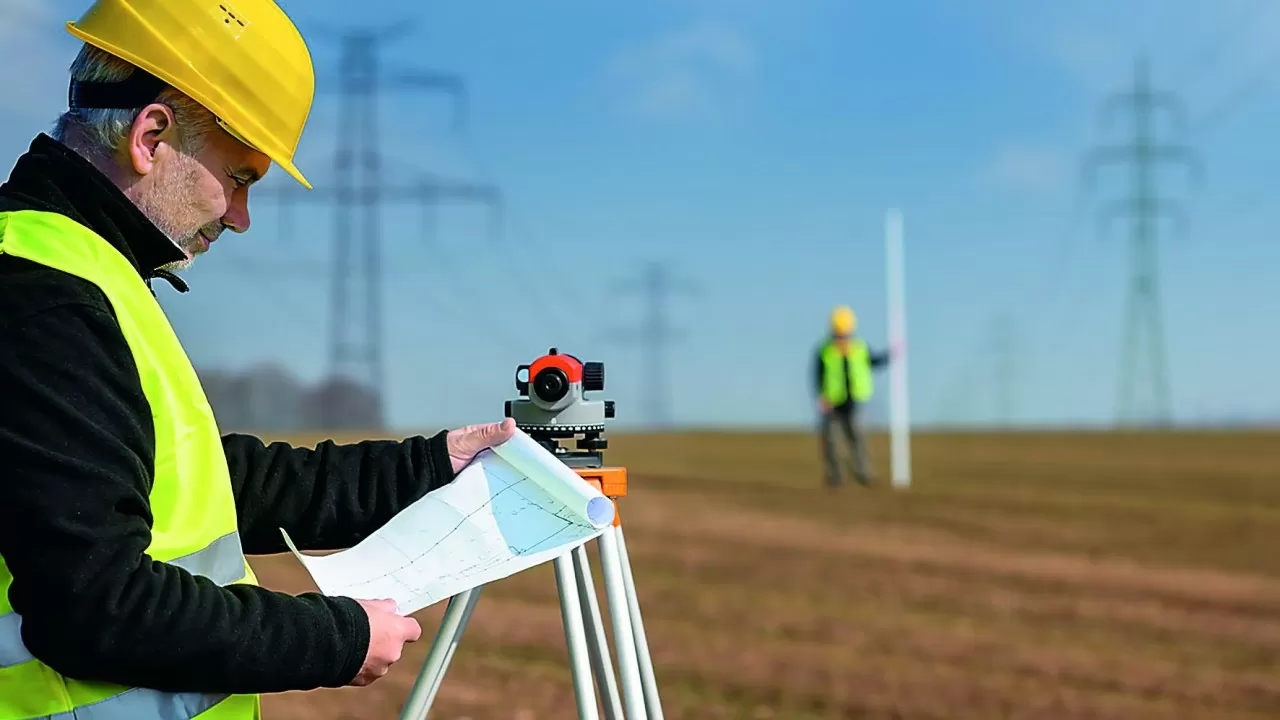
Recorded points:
(1046,576)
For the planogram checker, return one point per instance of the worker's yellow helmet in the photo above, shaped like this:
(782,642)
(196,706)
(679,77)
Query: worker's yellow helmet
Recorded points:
(843,320)
(243,60)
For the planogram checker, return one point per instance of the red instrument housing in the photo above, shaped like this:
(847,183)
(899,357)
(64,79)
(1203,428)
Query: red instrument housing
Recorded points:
(567,364)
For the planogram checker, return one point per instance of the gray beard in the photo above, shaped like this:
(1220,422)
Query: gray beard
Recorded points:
(165,203)
(178,265)
(188,246)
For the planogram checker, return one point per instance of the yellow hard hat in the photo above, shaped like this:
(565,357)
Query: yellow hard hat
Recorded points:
(843,320)
(243,60)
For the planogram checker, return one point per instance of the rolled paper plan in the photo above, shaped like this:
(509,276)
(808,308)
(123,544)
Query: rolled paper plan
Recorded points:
(513,507)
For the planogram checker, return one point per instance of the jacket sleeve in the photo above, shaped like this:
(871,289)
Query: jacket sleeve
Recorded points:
(77,447)
(330,496)
(817,370)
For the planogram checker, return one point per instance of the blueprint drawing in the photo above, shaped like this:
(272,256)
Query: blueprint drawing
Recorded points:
(513,507)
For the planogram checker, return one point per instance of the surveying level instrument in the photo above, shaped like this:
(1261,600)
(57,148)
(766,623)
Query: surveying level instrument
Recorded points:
(556,409)
(552,409)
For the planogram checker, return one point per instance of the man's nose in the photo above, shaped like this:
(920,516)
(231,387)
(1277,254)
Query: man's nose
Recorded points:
(237,215)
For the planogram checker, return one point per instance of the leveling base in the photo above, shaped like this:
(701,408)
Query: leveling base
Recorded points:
(589,660)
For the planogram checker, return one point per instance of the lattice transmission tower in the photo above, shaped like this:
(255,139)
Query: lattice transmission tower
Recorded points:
(1144,365)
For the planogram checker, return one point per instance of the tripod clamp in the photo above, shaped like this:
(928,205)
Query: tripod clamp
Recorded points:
(552,409)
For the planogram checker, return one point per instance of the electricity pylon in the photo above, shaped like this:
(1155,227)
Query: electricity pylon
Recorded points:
(655,332)
(356,339)
(1143,324)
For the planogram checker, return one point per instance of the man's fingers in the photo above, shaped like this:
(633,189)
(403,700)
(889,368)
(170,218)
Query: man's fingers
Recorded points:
(500,432)
(412,630)
(466,442)
(490,434)
(474,438)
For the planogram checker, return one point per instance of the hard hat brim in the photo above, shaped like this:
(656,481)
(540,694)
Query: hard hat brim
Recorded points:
(286,165)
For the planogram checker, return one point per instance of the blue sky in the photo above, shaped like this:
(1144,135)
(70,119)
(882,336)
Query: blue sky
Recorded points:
(755,146)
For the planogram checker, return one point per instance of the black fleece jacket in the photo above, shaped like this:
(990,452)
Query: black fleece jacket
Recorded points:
(76,465)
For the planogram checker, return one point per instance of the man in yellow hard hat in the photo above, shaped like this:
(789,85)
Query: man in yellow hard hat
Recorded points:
(125,516)
(842,384)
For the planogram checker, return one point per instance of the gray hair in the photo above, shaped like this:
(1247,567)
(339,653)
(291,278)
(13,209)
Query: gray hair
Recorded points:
(99,133)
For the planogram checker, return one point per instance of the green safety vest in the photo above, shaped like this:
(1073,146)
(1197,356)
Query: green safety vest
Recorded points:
(194,524)
(835,383)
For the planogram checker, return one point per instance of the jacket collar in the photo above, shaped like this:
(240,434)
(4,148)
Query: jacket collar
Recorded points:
(54,178)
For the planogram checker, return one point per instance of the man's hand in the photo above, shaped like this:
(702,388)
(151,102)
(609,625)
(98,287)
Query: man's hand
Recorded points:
(388,632)
(824,407)
(466,442)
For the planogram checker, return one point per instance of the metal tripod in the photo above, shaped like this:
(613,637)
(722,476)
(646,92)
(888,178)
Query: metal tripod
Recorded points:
(585,636)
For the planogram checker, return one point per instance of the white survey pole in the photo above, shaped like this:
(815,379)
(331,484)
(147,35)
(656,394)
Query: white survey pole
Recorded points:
(899,417)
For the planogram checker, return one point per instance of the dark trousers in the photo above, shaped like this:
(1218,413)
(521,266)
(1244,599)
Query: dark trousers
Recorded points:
(846,418)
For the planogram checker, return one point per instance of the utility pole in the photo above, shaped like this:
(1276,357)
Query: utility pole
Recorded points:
(656,284)
(1143,360)
(356,196)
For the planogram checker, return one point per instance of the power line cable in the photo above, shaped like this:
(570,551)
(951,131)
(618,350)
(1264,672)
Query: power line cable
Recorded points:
(1237,98)
(1207,53)
(542,304)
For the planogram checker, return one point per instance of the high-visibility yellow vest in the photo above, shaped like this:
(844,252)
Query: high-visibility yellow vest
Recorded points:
(836,382)
(194,513)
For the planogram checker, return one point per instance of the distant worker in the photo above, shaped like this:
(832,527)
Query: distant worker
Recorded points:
(842,383)
(125,516)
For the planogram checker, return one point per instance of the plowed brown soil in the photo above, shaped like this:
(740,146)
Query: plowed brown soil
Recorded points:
(1021,576)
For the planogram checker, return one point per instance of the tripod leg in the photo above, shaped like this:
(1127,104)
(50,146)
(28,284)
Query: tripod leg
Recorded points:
(446,641)
(652,702)
(596,641)
(453,645)
(619,613)
(571,616)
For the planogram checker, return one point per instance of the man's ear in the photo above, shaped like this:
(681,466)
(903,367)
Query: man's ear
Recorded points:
(152,130)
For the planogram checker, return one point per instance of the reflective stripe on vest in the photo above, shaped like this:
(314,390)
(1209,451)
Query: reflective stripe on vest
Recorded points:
(12,651)
(193,514)
(131,704)
(222,562)
(143,703)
